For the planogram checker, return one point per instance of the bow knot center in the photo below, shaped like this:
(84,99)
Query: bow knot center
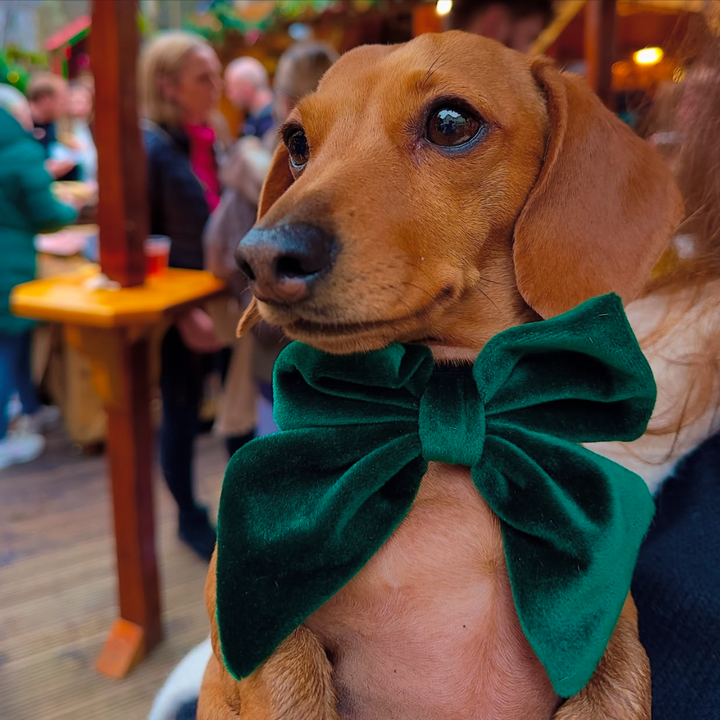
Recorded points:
(452,419)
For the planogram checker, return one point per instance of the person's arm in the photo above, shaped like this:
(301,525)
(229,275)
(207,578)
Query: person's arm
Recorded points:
(245,168)
(232,220)
(196,330)
(46,214)
(220,125)
(216,237)
(59,168)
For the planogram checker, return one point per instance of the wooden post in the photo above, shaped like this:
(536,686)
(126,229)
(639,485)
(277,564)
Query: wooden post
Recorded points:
(122,211)
(130,425)
(123,360)
(600,47)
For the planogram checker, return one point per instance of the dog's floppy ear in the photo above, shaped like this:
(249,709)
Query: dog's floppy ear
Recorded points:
(278,180)
(602,209)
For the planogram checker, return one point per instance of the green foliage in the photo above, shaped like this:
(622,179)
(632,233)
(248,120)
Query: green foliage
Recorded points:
(12,72)
(22,57)
(223,16)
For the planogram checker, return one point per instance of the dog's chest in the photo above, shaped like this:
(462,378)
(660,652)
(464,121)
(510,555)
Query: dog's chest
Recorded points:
(428,629)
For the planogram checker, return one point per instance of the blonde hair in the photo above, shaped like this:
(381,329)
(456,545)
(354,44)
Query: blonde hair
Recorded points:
(684,279)
(164,58)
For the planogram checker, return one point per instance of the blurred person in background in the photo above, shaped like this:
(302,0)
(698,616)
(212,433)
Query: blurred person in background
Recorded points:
(79,112)
(247,87)
(47,94)
(515,23)
(298,73)
(676,586)
(27,207)
(180,86)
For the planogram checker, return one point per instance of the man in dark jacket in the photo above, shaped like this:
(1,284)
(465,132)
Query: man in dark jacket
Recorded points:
(248,88)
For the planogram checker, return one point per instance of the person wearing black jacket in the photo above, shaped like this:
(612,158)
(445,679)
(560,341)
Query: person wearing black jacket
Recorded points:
(180,86)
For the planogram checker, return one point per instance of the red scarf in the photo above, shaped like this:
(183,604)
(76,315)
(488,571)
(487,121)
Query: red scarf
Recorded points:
(202,160)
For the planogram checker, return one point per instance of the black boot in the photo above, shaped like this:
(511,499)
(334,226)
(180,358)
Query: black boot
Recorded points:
(195,530)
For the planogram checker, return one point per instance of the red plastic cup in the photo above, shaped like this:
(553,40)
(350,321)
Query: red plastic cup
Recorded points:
(157,252)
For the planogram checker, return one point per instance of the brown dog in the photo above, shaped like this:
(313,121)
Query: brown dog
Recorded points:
(440,192)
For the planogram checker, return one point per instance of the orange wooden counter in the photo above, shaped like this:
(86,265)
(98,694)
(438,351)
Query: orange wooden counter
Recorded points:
(113,328)
(68,299)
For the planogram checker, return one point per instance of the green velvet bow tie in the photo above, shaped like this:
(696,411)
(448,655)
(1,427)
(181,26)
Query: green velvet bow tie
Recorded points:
(302,511)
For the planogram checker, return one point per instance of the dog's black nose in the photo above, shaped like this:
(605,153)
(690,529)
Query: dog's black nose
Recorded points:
(283,262)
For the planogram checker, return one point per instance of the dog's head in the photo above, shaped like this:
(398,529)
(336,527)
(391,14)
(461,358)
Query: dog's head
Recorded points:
(444,190)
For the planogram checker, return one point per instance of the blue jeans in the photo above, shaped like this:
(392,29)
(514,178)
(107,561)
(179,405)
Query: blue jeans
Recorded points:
(15,375)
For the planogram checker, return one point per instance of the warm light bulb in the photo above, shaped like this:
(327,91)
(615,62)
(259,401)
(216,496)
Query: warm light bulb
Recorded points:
(648,56)
(443,7)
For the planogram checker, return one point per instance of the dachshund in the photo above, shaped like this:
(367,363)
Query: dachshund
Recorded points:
(439,192)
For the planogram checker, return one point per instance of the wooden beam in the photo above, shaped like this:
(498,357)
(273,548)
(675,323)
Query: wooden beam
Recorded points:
(120,361)
(696,6)
(600,47)
(566,11)
(122,209)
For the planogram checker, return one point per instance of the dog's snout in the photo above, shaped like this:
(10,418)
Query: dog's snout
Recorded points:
(283,262)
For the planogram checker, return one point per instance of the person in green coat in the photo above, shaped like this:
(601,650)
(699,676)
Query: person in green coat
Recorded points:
(27,207)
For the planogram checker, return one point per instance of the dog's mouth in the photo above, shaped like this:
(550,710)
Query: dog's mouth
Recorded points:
(338,336)
(310,327)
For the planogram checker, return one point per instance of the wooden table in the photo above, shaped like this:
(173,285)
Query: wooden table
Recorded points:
(63,372)
(112,328)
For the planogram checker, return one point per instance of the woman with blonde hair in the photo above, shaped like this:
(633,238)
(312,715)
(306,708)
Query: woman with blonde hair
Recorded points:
(180,86)
(298,73)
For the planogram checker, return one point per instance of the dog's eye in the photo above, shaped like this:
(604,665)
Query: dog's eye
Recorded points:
(299,149)
(451,127)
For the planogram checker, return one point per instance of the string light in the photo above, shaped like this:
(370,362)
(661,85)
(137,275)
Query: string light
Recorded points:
(443,7)
(648,56)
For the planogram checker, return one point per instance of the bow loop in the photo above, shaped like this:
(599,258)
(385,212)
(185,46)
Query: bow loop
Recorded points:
(572,376)
(318,390)
(452,419)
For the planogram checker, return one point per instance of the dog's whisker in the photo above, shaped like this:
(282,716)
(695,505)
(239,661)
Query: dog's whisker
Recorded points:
(419,267)
(494,282)
(430,73)
(488,298)
(418,287)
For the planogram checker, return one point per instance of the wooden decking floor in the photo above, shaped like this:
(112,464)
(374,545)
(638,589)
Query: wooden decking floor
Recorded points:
(57,588)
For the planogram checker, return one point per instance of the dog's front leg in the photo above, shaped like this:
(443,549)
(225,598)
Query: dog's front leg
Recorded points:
(295,683)
(620,688)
